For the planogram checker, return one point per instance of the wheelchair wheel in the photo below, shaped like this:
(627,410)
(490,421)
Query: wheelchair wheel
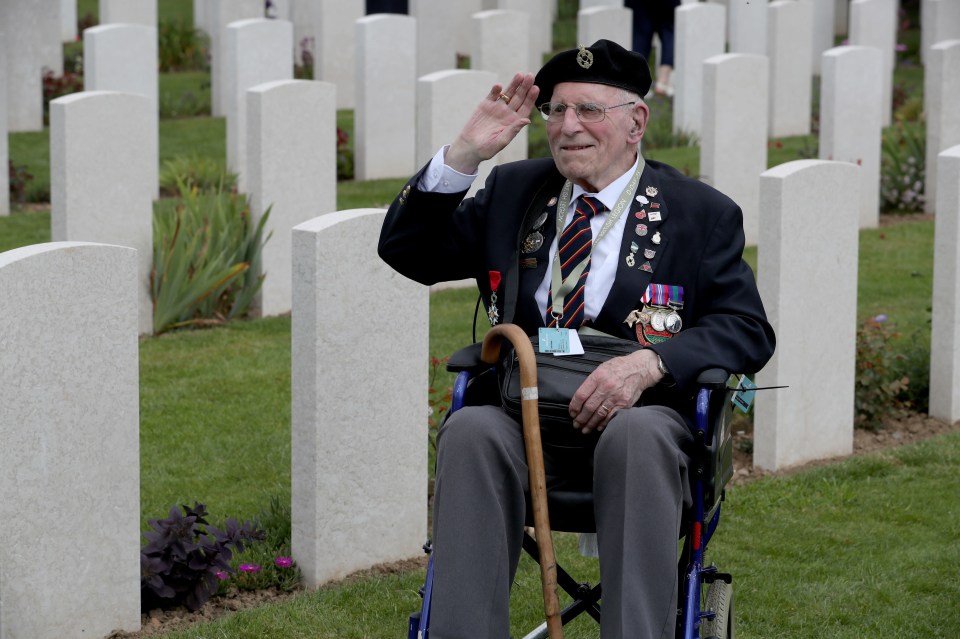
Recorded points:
(719,601)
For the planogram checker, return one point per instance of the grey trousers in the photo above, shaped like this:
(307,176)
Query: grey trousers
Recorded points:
(639,475)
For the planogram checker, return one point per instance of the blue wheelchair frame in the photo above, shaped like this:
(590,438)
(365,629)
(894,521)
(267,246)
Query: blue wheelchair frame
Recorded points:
(707,479)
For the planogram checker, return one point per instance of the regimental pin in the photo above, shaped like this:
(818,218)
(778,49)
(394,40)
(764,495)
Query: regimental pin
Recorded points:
(642,200)
(540,221)
(631,262)
(656,238)
(641,229)
(641,214)
(646,267)
(584,57)
(652,191)
(654,216)
(655,205)
(552,202)
(532,243)
(649,253)
(634,247)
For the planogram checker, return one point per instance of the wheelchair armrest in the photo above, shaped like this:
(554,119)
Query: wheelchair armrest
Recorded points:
(713,378)
(467,359)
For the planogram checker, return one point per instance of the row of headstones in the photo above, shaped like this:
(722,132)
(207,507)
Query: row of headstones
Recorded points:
(737,101)
(69,388)
(291,168)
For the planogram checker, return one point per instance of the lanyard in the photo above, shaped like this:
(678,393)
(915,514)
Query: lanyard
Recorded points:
(561,287)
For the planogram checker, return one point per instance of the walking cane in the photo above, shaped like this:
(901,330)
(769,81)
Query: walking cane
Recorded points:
(534,447)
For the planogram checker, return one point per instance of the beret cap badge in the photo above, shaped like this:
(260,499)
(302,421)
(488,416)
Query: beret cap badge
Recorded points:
(584,57)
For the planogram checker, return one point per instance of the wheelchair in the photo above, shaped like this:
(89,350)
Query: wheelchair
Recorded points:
(705,598)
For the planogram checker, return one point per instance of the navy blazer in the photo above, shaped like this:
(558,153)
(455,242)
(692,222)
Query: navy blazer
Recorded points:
(432,237)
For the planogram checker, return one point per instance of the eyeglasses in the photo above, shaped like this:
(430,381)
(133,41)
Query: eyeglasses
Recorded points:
(586,112)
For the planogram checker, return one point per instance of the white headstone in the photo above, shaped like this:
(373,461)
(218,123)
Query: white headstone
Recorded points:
(32,44)
(824,16)
(201,15)
(945,331)
(842,17)
(442,32)
(850,126)
(748,27)
(70,429)
(614,23)
(128,12)
(445,100)
(335,48)
(735,117)
(500,45)
(258,51)
(101,180)
(813,418)
(873,23)
(939,21)
(593,4)
(542,14)
(220,13)
(291,156)
(123,57)
(700,34)
(385,116)
(359,452)
(789,33)
(68,20)
(941,97)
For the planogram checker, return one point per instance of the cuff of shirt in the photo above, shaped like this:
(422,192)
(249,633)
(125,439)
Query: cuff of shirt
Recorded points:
(440,178)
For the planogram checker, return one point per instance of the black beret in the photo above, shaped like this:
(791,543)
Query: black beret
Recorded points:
(603,62)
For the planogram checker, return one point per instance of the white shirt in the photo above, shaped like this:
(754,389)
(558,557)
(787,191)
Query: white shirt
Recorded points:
(440,178)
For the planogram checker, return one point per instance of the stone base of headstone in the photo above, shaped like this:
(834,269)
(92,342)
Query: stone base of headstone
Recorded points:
(359,379)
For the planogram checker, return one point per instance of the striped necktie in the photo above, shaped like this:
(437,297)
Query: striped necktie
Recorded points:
(574,247)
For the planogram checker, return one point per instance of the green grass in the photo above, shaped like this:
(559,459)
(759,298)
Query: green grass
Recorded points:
(866,547)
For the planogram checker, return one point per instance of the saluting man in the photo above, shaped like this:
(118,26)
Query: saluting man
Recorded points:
(593,236)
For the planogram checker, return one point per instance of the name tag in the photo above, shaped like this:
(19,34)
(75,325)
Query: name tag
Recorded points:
(560,341)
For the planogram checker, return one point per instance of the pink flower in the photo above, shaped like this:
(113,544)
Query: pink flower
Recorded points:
(283,562)
(900,48)
(221,575)
(249,568)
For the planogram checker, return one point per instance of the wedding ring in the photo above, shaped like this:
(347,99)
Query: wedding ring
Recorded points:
(506,98)
(604,409)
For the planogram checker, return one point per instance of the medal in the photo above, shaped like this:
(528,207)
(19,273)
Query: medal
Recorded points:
(493,314)
(631,262)
(659,321)
(673,323)
(542,219)
(644,318)
(641,229)
(533,242)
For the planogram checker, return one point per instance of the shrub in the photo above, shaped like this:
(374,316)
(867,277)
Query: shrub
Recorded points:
(268,564)
(880,382)
(57,86)
(206,260)
(203,173)
(902,167)
(181,47)
(18,179)
(185,557)
(344,156)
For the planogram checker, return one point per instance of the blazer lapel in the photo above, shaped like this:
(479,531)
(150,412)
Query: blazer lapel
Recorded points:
(643,232)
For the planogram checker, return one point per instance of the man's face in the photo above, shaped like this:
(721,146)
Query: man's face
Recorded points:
(594,154)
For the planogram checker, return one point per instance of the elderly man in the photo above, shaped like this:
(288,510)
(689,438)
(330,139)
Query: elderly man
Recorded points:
(656,257)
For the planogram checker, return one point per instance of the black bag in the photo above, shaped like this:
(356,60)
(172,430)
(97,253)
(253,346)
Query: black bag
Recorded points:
(558,378)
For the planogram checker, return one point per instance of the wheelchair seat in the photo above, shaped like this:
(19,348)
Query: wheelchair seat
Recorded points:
(572,511)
